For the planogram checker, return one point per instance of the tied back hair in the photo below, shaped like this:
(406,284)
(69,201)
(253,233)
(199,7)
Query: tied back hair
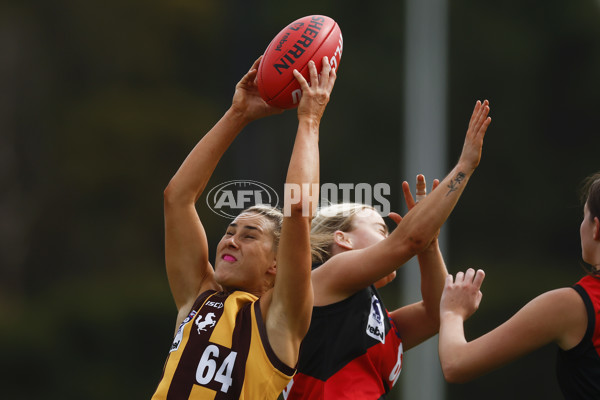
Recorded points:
(327,220)
(273,214)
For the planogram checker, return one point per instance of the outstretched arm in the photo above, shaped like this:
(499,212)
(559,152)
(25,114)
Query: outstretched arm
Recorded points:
(351,271)
(291,303)
(420,321)
(186,248)
(557,316)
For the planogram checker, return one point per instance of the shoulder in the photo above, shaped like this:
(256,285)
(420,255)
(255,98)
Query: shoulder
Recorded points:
(560,302)
(566,308)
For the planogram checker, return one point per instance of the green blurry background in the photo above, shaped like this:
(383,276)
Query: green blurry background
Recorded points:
(100,101)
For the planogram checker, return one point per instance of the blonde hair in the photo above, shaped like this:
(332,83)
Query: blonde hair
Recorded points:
(273,214)
(327,220)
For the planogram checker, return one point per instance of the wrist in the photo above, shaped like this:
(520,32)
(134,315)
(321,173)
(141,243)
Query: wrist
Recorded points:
(237,117)
(309,121)
(450,316)
(433,248)
(465,168)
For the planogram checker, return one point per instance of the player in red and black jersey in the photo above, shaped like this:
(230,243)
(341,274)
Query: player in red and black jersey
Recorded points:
(353,349)
(569,317)
(578,369)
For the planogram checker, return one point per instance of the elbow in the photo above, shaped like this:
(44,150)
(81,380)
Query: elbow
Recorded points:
(451,375)
(170,195)
(174,196)
(453,372)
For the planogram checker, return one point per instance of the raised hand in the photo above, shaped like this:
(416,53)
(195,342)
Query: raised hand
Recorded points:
(247,100)
(462,296)
(316,95)
(471,153)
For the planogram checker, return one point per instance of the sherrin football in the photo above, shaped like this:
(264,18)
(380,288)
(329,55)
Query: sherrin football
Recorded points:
(308,38)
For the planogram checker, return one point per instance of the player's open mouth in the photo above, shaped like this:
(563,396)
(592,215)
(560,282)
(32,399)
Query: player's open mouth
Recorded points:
(229,258)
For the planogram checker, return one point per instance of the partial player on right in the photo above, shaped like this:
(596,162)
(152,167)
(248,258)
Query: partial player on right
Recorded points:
(569,317)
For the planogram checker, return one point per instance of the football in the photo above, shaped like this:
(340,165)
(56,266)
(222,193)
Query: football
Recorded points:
(308,38)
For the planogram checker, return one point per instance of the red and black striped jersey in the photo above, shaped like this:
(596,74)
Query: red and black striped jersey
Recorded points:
(578,369)
(221,351)
(352,351)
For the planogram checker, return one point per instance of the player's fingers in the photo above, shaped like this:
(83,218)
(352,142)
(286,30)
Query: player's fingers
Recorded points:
(395,217)
(436,183)
(325,69)
(410,202)
(459,277)
(301,81)
(469,275)
(332,78)
(475,112)
(478,117)
(256,63)
(479,276)
(483,113)
(485,110)
(421,188)
(483,127)
(251,75)
(314,76)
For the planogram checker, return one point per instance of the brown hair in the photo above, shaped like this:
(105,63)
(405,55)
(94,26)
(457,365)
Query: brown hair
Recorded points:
(590,195)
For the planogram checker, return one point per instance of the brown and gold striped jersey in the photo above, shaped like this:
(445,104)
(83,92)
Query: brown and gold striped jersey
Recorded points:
(221,351)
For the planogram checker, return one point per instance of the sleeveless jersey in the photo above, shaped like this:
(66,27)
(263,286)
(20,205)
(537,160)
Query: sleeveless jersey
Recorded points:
(221,351)
(578,369)
(352,351)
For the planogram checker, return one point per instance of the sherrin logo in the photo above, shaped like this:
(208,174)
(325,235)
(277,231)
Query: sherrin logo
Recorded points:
(230,198)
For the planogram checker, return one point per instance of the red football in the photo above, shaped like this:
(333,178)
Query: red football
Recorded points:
(308,38)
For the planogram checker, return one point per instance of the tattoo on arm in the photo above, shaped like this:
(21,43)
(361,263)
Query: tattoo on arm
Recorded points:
(453,185)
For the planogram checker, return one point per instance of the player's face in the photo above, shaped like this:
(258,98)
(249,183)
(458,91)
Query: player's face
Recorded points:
(368,228)
(245,254)
(586,232)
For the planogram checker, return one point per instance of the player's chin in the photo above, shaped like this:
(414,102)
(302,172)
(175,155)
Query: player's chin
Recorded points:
(223,280)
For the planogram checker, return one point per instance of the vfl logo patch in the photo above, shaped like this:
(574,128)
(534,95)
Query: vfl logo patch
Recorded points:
(209,321)
(179,335)
(375,324)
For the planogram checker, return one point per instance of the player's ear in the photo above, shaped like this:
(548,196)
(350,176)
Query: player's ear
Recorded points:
(596,228)
(273,267)
(343,240)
